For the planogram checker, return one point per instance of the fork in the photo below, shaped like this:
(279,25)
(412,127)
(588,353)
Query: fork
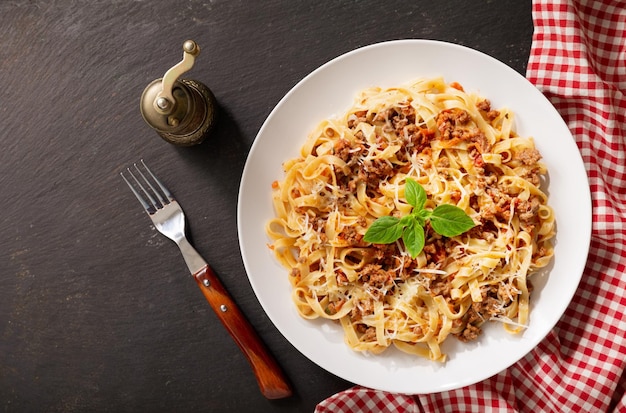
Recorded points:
(169,219)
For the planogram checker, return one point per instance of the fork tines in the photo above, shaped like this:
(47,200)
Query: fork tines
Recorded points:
(142,186)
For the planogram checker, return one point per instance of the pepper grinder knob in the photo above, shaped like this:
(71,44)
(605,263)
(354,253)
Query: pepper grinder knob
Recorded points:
(181,111)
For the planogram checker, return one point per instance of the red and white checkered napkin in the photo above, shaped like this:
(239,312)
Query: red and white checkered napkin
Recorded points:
(578,60)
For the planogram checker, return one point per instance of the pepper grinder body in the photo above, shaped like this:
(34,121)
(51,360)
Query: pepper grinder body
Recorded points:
(181,111)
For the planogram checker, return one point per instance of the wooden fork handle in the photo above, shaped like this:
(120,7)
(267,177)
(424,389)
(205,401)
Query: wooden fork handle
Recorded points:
(268,373)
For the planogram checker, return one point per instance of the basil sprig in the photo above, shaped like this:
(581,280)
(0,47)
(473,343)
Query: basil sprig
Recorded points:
(447,220)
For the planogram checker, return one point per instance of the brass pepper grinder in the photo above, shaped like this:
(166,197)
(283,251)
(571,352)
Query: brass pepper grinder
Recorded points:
(181,111)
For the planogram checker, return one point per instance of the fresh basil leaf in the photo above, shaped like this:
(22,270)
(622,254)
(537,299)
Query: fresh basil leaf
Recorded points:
(384,230)
(420,216)
(415,194)
(413,238)
(406,220)
(450,220)
(424,213)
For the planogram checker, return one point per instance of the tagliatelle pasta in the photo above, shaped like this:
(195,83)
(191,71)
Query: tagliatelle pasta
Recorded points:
(353,169)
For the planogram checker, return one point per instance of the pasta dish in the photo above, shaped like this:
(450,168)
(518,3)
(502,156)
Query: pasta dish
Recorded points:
(354,169)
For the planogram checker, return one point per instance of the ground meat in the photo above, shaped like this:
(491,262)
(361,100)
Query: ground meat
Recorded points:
(486,233)
(381,253)
(368,333)
(399,122)
(462,117)
(492,114)
(435,251)
(483,232)
(481,142)
(477,158)
(528,209)
(418,138)
(408,111)
(487,308)
(454,125)
(528,156)
(479,312)
(356,118)
(342,150)
(484,181)
(342,278)
(471,325)
(469,333)
(501,207)
(374,276)
(506,292)
(441,286)
(449,120)
(351,236)
(484,105)
(361,309)
(373,172)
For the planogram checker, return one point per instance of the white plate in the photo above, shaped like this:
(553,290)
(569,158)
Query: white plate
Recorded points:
(329,91)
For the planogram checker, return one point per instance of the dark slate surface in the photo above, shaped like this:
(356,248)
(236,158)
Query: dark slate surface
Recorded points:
(97,310)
